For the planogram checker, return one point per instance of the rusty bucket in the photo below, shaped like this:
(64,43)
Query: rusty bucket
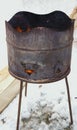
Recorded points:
(39,46)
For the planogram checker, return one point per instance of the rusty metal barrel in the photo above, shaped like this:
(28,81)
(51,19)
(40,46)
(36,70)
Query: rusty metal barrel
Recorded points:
(43,53)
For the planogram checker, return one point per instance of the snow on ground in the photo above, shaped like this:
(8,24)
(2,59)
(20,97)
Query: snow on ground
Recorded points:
(46,105)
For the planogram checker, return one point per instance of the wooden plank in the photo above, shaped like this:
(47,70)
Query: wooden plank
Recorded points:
(73,15)
(4,73)
(5,79)
(9,94)
(5,83)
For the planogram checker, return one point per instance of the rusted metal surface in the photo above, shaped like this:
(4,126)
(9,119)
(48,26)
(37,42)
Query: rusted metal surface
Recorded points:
(41,55)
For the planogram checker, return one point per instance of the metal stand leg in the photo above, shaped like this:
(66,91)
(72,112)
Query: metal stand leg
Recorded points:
(19,105)
(25,88)
(69,101)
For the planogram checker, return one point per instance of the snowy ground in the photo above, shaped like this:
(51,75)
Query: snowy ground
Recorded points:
(46,105)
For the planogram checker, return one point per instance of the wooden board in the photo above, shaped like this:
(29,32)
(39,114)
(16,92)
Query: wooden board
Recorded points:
(5,83)
(9,88)
(3,73)
(9,94)
(73,15)
(5,79)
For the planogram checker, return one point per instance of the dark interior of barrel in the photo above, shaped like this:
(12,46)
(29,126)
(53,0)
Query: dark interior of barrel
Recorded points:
(25,21)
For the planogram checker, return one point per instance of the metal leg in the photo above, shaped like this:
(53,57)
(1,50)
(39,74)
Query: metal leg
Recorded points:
(25,88)
(69,101)
(19,105)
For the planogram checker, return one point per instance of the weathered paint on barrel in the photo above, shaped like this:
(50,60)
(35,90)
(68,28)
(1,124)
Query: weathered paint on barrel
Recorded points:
(41,55)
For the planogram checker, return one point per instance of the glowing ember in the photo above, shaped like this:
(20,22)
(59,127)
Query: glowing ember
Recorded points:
(29,71)
(19,29)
